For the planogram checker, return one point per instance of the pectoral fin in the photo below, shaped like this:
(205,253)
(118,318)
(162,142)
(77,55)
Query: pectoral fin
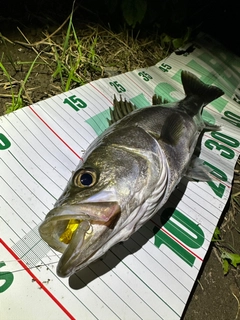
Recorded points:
(172,129)
(211,127)
(197,170)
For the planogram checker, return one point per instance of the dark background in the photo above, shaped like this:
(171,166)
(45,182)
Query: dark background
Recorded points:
(217,18)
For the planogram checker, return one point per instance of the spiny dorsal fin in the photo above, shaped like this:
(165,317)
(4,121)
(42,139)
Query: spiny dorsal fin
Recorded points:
(200,93)
(158,100)
(120,110)
(172,129)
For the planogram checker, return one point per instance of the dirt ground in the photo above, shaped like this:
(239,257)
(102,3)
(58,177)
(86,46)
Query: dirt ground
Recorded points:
(214,296)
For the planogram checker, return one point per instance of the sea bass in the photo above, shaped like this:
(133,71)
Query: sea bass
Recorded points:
(128,174)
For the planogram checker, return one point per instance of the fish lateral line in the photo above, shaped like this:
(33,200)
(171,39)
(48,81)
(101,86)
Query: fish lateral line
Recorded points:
(140,159)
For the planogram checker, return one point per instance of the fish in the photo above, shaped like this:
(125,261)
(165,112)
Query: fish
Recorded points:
(128,173)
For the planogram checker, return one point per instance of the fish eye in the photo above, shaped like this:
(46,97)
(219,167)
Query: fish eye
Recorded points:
(85,178)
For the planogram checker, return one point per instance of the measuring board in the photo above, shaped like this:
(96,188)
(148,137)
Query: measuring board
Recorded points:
(151,275)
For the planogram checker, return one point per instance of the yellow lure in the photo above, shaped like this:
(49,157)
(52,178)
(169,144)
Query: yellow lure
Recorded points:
(66,236)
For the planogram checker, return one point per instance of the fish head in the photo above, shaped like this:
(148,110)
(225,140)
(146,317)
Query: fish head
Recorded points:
(94,211)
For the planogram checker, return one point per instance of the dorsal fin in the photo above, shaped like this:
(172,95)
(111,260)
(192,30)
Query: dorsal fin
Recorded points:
(158,100)
(172,129)
(198,94)
(120,110)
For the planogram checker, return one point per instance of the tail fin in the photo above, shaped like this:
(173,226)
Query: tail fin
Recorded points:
(200,93)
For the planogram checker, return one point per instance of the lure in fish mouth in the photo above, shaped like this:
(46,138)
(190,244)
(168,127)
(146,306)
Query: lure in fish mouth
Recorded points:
(128,174)
(69,230)
(89,218)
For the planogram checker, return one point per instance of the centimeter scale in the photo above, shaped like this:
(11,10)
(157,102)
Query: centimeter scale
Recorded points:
(151,275)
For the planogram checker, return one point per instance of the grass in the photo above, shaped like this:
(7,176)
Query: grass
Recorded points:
(85,53)
(228,254)
(71,56)
(17,100)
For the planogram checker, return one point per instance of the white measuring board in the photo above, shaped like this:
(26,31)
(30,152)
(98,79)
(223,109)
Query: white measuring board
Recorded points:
(151,275)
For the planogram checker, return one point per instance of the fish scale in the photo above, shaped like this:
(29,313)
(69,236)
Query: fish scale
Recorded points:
(132,168)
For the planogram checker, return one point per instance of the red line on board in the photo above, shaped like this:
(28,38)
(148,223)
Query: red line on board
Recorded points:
(179,242)
(54,132)
(226,184)
(37,280)
(101,93)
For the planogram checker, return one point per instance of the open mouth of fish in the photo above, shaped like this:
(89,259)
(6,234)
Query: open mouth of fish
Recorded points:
(66,228)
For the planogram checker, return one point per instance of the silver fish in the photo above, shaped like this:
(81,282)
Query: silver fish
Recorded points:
(127,175)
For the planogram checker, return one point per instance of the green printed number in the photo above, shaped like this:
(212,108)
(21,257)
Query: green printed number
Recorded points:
(232,142)
(117,86)
(7,277)
(219,188)
(165,67)
(232,118)
(225,151)
(236,99)
(145,75)
(75,103)
(4,142)
(193,239)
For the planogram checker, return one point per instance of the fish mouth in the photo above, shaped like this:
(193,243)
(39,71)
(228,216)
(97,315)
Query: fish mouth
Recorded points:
(68,227)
